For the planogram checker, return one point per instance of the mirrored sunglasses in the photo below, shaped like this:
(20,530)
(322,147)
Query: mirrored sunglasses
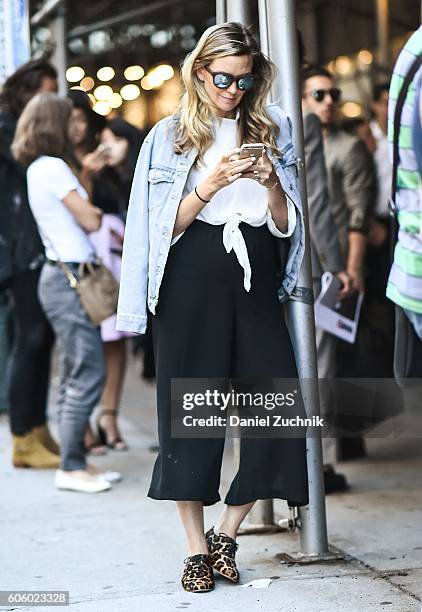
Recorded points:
(222,80)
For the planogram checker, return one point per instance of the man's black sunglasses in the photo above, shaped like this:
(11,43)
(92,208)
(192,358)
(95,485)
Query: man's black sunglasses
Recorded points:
(222,80)
(319,94)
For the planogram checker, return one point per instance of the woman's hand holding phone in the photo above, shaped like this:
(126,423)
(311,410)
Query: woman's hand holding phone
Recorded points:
(230,168)
(263,171)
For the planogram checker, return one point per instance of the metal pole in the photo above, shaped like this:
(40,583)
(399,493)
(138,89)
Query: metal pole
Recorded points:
(263,26)
(382,10)
(239,10)
(221,11)
(59,58)
(234,10)
(283,47)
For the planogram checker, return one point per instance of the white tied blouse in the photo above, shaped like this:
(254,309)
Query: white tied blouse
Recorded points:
(245,200)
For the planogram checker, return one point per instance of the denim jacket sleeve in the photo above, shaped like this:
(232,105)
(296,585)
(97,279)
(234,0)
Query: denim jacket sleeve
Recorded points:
(286,168)
(131,309)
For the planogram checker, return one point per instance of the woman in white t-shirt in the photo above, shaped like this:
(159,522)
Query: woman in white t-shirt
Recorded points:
(64,217)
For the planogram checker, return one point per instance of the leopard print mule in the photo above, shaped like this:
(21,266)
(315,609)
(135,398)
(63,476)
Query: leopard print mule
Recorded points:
(197,575)
(222,549)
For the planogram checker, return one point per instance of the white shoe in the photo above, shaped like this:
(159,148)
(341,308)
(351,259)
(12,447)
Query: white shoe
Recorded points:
(109,476)
(90,484)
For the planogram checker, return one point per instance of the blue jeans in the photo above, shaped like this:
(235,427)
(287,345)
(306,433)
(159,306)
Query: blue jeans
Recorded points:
(81,359)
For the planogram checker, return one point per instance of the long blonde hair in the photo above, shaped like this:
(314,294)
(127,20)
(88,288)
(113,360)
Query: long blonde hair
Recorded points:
(196,111)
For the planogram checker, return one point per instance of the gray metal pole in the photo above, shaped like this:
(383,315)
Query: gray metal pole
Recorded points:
(59,57)
(283,48)
(239,10)
(382,10)
(221,11)
(263,26)
(234,10)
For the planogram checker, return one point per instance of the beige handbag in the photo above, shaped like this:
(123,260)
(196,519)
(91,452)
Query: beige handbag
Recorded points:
(97,288)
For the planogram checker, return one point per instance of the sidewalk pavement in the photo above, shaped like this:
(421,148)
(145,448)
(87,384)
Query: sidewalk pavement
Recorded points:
(120,551)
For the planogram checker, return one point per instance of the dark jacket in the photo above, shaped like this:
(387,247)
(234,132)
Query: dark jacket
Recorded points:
(20,244)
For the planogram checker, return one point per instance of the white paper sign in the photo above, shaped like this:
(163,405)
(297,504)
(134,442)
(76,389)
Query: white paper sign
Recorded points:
(339,318)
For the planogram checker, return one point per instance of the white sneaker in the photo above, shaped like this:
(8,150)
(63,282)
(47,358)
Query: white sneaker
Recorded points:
(90,484)
(109,476)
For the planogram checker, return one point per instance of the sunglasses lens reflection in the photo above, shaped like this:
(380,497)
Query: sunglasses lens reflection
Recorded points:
(222,81)
(246,83)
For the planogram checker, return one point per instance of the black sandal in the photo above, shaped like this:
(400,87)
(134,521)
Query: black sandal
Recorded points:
(197,575)
(223,549)
(94,446)
(117,443)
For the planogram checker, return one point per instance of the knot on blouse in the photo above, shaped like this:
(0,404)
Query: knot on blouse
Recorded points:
(233,240)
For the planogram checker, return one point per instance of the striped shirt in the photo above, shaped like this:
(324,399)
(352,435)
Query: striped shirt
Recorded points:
(405,280)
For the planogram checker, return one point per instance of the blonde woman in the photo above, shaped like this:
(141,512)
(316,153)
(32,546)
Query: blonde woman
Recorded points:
(200,249)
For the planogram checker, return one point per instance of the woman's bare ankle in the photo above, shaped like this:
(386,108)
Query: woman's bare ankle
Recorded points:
(221,527)
(197,546)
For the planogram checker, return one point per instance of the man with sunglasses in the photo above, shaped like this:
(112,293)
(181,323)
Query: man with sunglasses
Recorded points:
(349,167)
(351,184)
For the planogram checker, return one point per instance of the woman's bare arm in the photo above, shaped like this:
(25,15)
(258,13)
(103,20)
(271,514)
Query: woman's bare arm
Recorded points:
(87,215)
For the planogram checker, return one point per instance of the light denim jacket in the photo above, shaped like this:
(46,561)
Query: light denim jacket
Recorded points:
(157,188)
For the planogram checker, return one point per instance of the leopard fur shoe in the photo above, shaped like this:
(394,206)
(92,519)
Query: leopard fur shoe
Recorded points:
(197,575)
(222,549)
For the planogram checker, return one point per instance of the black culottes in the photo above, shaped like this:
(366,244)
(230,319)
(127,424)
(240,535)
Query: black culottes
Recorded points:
(208,326)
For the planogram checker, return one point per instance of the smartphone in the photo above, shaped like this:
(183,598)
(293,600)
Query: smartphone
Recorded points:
(251,150)
(103,149)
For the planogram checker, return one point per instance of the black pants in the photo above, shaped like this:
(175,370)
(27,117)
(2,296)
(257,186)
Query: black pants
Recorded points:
(208,326)
(30,356)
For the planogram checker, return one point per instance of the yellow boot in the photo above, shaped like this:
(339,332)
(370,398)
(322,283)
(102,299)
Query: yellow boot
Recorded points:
(44,436)
(29,452)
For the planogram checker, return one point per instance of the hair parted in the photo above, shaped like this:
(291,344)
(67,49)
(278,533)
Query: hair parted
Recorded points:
(195,112)
(42,129)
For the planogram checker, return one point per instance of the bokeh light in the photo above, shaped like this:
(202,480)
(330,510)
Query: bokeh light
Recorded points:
(103,92)
(365,57)
(351,109)
(106,73)
(75,74)
(87,83)
(116,100)
(102,108)
(134,73)
(130,92)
